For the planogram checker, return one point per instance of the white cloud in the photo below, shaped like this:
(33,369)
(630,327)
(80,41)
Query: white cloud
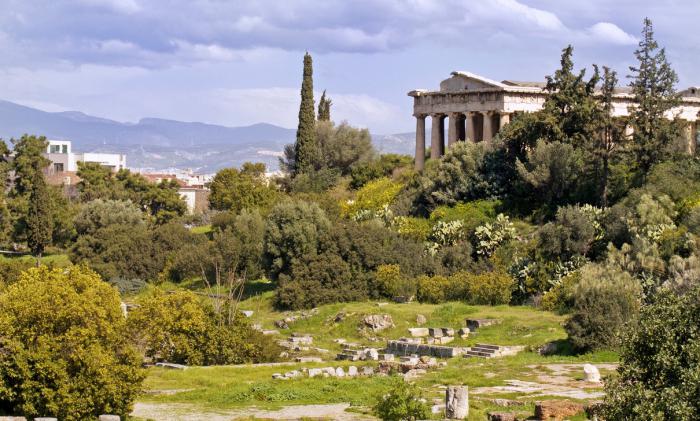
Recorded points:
(123,6)
(611,33)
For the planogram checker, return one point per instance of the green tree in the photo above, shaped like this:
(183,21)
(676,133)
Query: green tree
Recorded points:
(653,86)
(294,229)
(39,216)
(28,161)
(64,351)
(234,190)
(324,108)
(343,147)
(99,214)
(659,363)
(306,150)
(98,182)
(603,302)
(6,219)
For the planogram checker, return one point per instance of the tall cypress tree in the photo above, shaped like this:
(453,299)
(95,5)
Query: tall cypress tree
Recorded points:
(307,152)
(39,216)
(653,85)
(324,108)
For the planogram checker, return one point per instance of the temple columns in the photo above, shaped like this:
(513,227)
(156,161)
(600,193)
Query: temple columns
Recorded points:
(471,133)
(503,120)
(420,143)
(452,132)
(689,135)
(488,127)
(437,138)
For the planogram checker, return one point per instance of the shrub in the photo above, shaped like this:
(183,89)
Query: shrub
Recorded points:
(472,214)
(99,214)
(372,199)
(181,328)
(319,279)
(415,228)
(64,351)
(432,289)
(391,283)
(488,288)
(403,402)
(603,301)
(571,234)
(491,235)
(234,190)
(293,230)
(382,167)
(657,377)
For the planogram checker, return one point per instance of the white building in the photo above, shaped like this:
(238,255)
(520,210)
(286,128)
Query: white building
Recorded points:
(63,159)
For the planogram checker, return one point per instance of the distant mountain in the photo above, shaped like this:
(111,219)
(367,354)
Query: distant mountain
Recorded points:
(160,144)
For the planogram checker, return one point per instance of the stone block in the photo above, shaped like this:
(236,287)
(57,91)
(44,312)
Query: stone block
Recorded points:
(247,313)
(501,416)
(309,360)
(463,332)
(271,332)
(46,419)
(313,372)
(435,332)
(339,372)
(592,373)
(386,357)
(378,322)
(371,354)
(474,324)
(421,320)
(419,332)
(456,402)
(445,340)
(352,371)
(109,418)
(448,331)
(329,371)
(10,418)
(367,371)
(557,409)
(172,365)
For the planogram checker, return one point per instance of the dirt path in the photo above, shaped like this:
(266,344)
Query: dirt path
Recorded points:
(185,412)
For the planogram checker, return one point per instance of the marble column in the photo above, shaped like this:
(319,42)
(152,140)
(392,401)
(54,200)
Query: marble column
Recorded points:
(688,127)
(488,126)
(503,120)
(452,131)
(437,138)
(420,142)
(471,133)
(461,133)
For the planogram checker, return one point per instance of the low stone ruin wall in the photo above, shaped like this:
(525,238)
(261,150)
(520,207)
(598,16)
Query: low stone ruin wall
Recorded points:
(405,348)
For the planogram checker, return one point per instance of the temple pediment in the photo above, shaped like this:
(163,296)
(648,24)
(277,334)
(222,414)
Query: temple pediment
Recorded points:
(465,81)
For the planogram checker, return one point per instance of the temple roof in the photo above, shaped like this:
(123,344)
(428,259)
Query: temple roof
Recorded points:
(523,84)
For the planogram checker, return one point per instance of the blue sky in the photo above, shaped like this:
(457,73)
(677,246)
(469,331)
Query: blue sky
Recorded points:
(238,62)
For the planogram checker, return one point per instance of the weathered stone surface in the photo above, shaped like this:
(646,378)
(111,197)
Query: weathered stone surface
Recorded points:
(329,371)
(271,332)
(309,360)
(419,332)
(414,373)
(352,371)
(403,348)
(456,402)
(10,418)
(339,372)
(592,373)
(435,332)
(277,376)
(313,372)
(172,365)
(46,419)
(501,416)
(109,418)
(421,320)
(557,409)
(367,371)
(247,313)
(301,339)
(448,331)
(463,332)
(378,321)
(371,354)
(386,357)
(474,324)
(281,324)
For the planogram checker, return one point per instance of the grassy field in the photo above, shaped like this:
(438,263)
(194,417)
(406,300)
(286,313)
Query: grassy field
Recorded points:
(50,259)
(230,387)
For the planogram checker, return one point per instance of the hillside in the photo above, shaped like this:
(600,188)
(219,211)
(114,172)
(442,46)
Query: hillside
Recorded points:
(161,144)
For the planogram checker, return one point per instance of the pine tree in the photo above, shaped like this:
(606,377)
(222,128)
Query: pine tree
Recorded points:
(610,137)
(307,152)
(324,108)
(653,85)
(39,216)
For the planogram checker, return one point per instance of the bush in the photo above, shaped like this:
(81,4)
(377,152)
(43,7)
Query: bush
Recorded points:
(603,301)
(372,199)
(382,167)
(319,279)
(432,289)
(657,377)
(391,283)
(99,214)
(571,234)
(404,402)
(64,351)
(415,228)
(490,236)
(488,288)
(234,190)
(181,328)
(294,229)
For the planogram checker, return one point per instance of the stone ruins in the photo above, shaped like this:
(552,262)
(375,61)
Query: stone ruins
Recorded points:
(477,108)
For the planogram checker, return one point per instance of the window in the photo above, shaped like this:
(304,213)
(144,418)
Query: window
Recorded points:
(55,149)
(58,167)
(65,149)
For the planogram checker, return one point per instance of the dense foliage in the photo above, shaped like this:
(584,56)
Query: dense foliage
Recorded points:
(64,351)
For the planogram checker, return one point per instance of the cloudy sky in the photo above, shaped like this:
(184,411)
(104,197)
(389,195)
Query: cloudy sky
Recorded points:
(238,62)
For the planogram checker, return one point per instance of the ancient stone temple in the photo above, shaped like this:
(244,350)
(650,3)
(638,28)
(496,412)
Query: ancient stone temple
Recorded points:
(475,108)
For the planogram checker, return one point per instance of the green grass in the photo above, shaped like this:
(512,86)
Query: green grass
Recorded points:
(202,229)
(55,259)
(246,386)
